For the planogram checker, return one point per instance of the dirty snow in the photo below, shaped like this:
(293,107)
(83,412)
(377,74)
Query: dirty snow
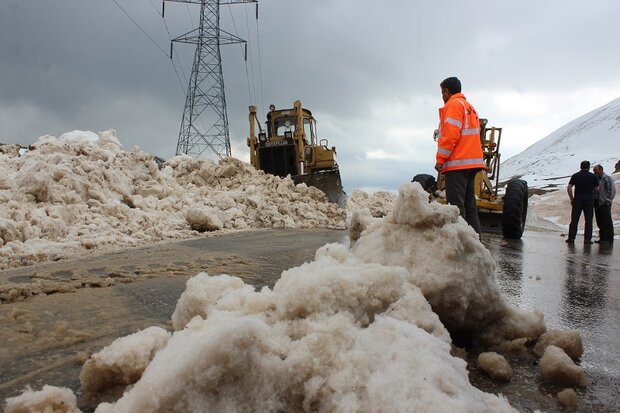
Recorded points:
(557,367)
(347,331)
(122,362)
(495,365)
(567,340)
(363,339)
(446,260)
(49,399)
(82,191)
(568,398)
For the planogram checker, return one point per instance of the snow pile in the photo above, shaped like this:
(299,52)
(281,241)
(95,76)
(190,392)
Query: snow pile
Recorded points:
(82,191)
(446,260)
(550,162)
(364,328)
(335,334)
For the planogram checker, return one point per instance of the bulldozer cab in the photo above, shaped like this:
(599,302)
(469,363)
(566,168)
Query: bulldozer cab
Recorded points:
(280,125)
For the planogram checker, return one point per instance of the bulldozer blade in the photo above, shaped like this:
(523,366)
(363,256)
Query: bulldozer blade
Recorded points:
(327,181)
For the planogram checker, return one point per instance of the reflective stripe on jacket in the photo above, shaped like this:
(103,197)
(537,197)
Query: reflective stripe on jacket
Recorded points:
(458,146)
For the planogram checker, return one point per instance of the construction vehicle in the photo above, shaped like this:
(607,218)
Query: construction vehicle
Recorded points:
(289,146)
(506,212)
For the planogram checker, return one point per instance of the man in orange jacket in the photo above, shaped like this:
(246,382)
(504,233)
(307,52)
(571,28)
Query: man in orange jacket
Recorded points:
(459,152)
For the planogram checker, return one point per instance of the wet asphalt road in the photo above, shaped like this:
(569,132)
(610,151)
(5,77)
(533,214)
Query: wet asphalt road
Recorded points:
(575,287)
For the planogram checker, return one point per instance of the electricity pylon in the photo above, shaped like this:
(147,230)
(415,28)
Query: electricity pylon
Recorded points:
(204,126)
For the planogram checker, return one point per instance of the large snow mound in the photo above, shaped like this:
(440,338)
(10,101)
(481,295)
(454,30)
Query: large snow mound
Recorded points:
(335,334)
(446,260)
(82,191)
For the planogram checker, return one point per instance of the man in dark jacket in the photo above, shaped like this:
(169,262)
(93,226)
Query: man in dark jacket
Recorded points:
(585,184)
(602,206)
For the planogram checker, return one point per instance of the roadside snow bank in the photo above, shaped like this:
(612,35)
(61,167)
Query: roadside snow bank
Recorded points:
(82,191)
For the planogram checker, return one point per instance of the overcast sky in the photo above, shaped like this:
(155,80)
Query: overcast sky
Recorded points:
(368,70)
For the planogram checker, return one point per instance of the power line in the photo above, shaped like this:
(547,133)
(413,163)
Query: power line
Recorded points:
(251,96)
(141,29)
(260,61)
(156,9)
(247,26)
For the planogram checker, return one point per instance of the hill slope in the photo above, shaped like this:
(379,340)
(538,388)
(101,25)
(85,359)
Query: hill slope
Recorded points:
(550,162)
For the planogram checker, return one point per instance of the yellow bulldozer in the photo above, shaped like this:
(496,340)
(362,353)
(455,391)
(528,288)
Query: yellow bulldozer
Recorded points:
(505,212)
(288,145)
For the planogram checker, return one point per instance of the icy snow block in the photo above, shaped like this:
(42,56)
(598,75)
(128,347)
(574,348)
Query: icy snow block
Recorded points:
(557,367)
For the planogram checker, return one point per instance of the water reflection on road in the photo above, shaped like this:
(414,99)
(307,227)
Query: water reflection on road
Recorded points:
(576,287)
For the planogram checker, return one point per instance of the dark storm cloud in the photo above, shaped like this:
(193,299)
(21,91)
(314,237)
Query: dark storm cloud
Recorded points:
(369,70)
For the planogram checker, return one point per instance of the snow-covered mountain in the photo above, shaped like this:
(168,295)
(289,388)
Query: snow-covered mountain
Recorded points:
(549,163)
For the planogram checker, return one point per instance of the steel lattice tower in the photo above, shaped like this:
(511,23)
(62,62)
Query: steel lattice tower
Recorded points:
(204,126)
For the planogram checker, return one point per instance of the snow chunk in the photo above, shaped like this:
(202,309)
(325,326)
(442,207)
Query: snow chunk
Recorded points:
(568,398)
(205,294)
(123,361)
(495,365)
(567,340)
(50,399)
(557,367)
(358,221)
(204,219)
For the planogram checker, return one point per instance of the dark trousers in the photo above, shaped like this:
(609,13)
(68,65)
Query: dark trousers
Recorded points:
(581,204)
(460,192)
(604,222)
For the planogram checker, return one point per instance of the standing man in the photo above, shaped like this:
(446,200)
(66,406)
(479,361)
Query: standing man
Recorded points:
(602,206)
(585,184)
(459,152)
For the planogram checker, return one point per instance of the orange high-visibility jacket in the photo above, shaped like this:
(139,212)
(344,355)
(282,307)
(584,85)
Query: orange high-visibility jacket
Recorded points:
(458,146)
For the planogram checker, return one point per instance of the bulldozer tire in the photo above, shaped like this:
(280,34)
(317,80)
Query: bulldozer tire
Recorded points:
(515,209)
(428,182)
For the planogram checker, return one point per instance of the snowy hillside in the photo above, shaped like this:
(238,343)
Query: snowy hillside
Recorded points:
(550,162)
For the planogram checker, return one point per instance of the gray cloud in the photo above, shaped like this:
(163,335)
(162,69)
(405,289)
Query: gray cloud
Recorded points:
(368,70)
